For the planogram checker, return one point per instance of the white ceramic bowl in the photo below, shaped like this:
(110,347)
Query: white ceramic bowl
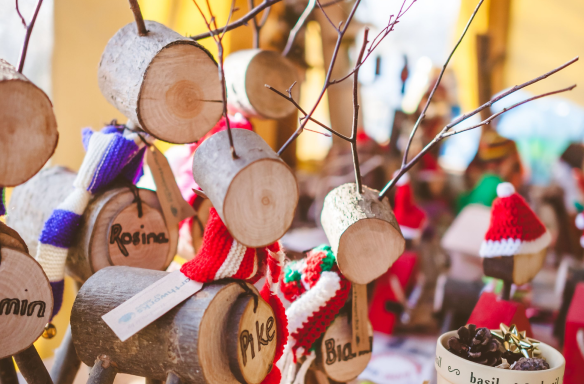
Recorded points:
(452,369)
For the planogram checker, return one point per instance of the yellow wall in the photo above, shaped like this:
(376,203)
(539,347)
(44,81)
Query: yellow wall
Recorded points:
(543,35)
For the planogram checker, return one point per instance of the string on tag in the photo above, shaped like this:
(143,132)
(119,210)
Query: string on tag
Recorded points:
(137,199)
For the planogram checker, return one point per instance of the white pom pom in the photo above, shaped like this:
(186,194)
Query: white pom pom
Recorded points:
(580,221)
(505,189)
(402,180)
(582,241)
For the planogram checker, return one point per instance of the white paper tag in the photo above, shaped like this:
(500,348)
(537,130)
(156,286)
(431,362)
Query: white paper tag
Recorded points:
(153,302)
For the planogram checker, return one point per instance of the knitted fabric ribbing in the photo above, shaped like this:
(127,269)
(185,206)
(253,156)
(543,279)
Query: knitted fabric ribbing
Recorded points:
(110,153)
(514,228)
(221,257)
(325,292)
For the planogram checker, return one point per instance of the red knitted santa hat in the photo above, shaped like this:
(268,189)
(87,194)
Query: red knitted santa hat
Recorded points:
(411,218)
(515,229)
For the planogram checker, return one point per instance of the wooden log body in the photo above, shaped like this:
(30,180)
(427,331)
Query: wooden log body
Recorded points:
(196,340)
(338,356)
(518,269)
(110,223)
(28,128)
(246,74)
(26,301)
(362,231)
(255,194)
(165,82)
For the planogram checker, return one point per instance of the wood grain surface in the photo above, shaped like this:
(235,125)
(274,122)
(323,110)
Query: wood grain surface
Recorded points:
(29,136)
(165,82)
(362,231)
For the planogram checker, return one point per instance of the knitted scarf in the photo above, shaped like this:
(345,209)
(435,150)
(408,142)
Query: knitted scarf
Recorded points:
(317,291)
(111,153)
(222,257)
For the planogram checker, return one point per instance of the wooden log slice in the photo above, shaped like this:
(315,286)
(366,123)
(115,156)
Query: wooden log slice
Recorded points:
(253,340)
(255,194)
(26,301)
(33,202)
(337,356)
(518,269)
(246,74)
(190,340)
(165,82)
(11,239)
(362,231)
(28,128)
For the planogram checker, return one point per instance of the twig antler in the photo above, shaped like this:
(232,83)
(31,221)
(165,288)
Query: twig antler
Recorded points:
(365,51)
(243,21)
(257,25)
(218,38)
(135,7)
(29,28)
(423,114)
(445,131)
(294,31)
(341,29)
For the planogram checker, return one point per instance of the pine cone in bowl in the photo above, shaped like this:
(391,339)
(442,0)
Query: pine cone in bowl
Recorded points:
(476,345)
(531,364)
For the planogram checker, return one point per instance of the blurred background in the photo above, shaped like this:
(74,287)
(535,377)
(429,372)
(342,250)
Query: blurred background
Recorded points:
(538,147)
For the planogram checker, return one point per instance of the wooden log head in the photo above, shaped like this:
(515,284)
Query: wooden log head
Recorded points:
(26,301)
(28,136)
(111,232)
(338,356)
(246,74)
(518,269)
(255,194)
(362,231)
(215,336)
(165,82)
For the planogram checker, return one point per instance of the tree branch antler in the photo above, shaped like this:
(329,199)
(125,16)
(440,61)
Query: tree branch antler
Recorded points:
(135,7)
(243,21)
(445,131)
(218,38)
(29,27)
(423,114)
(341,30)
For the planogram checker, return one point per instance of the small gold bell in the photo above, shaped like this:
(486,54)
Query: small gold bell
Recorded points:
(50,331)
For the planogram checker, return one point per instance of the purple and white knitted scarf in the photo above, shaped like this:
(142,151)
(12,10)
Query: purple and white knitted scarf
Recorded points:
(111,153)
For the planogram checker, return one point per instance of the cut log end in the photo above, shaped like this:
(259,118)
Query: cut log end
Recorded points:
(29,134)
(362,231)
(252,333)
(248,71)
(338,357)
(26,301)
(367,249)
(268,67)
(180,98)
(260,203)
(135,241)
(165,82)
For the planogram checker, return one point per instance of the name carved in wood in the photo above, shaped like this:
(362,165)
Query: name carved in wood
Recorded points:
(247,340)
(121,238)
(339,353)
(22,307)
